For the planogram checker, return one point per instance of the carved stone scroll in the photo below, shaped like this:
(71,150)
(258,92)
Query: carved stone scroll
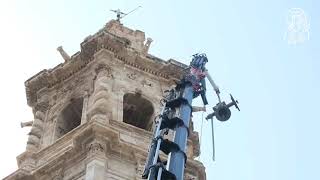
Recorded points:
(36,132)
(100,106)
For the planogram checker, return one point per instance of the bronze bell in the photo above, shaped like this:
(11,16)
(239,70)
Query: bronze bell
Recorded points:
(222,110)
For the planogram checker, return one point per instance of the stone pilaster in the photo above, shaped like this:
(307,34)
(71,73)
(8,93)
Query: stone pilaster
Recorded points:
(85,108)
(119,108)
(96,161)
(100,108)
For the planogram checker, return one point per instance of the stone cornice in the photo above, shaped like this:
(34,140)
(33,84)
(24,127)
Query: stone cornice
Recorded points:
(19,174)
(77,141)
(102,41)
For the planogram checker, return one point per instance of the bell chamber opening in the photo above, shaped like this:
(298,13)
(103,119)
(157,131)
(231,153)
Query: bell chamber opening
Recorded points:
(70,117)
(137,111)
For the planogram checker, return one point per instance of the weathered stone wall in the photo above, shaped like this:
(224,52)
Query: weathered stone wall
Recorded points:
(102,85)
(111,63)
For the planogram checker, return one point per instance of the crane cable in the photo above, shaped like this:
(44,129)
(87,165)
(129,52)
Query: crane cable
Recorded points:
(201,133)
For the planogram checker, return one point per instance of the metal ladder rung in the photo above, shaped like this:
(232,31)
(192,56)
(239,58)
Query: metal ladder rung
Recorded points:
(171,123)
(165,174)
(176,102)
(168,146)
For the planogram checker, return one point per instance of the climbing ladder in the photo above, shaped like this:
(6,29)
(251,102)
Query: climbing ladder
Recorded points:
(175,115)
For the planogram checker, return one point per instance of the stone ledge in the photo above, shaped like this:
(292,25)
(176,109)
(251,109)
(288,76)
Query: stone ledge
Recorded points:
(65,148)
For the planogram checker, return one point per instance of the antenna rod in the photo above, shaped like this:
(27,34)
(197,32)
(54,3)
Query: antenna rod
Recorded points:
(131,11)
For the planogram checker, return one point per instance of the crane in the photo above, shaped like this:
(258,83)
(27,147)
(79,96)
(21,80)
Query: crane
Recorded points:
(175,115)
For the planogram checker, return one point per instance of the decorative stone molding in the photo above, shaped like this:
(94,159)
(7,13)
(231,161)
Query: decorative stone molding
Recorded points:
(20,174)
(140,167)
(146,83)
(36,132)
(95,141)
(41,106)
(104,70)
(132,76)
(27,161)
(96,148)
(28,164)
(58,174)
(103,40)
(99,100)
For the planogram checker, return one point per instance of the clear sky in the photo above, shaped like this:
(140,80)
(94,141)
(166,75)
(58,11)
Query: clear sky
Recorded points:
(274,137)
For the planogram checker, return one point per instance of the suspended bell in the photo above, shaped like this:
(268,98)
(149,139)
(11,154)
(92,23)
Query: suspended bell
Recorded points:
(222,110)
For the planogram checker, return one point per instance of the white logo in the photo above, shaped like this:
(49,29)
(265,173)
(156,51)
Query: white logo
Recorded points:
(298,26)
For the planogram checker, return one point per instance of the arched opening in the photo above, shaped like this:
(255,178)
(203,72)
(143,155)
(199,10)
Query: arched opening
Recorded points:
(70,117)
(137,111)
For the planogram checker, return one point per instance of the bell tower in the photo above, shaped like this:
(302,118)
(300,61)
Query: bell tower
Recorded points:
(94,113)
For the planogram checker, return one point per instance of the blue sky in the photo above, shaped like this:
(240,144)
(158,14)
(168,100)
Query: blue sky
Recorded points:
(275,136)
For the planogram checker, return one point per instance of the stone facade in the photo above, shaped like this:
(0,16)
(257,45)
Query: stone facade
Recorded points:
(79,131)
